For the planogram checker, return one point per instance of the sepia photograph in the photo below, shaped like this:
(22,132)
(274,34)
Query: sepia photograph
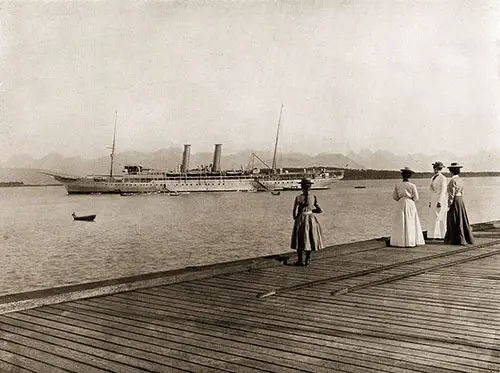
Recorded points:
(250,186)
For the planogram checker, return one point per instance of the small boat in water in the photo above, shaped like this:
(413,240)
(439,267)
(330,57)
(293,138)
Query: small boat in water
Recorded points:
(359,187)
(275,192)
(84,217)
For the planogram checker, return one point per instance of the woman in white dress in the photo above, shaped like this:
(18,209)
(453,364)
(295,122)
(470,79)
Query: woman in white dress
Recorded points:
(406,228)
(437,204)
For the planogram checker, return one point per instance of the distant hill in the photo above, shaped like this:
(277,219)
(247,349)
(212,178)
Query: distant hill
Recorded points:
(170,158)
(385,160)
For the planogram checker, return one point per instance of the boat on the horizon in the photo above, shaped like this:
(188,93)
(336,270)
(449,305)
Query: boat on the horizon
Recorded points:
(136,179)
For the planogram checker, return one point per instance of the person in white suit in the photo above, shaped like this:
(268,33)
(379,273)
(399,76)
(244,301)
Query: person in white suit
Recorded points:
(438,204)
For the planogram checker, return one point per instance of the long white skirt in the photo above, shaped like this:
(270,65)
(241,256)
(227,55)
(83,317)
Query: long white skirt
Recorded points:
(437,219)
(406,228)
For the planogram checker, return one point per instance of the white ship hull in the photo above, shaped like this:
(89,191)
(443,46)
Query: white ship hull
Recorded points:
(157,183)
(89,186)
(292,182)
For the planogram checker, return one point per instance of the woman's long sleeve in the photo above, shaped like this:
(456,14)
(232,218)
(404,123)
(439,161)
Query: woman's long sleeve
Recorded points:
(414,196)
(452,190)
(317,207)
(442,189)
(295,208)
(395,194)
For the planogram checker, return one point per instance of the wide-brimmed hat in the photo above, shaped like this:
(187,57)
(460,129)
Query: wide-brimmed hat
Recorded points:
(454,165)
(438,164)
(306,181)
(407,169)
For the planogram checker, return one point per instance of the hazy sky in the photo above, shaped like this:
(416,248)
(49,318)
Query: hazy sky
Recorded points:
(405,76)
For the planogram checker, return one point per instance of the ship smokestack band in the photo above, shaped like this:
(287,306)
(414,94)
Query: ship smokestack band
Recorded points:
(185,158)
(216,162)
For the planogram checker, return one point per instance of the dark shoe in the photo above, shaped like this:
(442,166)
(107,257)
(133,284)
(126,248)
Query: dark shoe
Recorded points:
(299,261)
(308,258)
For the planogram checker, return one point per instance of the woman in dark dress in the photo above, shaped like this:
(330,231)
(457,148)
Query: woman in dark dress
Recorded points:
(306,234)
(458,229)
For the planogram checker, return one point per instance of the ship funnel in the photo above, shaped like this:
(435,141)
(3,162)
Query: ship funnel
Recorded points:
(185,158)
(216,162)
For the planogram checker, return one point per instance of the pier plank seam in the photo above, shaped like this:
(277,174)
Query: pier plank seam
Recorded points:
(376,269)
(264,330)
(414,273)
(433,370)
(282,368)
(14,361)
(312,352)
(104,356)
(319,309)
(115,343)
(325,304)
(324,316)
(92,314)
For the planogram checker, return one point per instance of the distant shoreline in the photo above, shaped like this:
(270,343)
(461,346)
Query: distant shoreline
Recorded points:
(6,185)
(389,175)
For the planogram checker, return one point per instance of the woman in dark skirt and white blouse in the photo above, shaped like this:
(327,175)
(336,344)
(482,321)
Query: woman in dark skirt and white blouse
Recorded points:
(458,229)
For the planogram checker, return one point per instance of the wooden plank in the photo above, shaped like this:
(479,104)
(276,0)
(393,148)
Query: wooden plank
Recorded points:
(237,317)
(164,342)
(467,360)
(415,272)
(16,359)
(30,354)
(83,351)
(417,319)
(10,364)
(320,351)
(341,313)
(146,356)
(348,305)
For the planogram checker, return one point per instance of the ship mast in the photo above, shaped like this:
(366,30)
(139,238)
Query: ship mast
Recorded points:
(112,155)
(276,143)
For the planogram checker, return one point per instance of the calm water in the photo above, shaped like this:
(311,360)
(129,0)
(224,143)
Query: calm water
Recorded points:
(41,246)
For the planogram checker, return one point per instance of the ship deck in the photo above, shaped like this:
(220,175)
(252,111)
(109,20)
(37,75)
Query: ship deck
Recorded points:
(359,307)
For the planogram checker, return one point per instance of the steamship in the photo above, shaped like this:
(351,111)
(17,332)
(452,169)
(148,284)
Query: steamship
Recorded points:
(137,179)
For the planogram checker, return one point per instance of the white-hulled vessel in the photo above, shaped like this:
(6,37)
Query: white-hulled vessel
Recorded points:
(137,179)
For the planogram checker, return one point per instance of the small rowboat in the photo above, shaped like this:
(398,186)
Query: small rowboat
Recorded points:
(84,217)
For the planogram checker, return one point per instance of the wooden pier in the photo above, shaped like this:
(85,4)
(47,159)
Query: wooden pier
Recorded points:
(359,307)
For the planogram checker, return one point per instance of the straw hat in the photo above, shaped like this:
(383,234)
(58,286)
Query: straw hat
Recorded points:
(407,169)
(306,181)
(438,164)
(454,165)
